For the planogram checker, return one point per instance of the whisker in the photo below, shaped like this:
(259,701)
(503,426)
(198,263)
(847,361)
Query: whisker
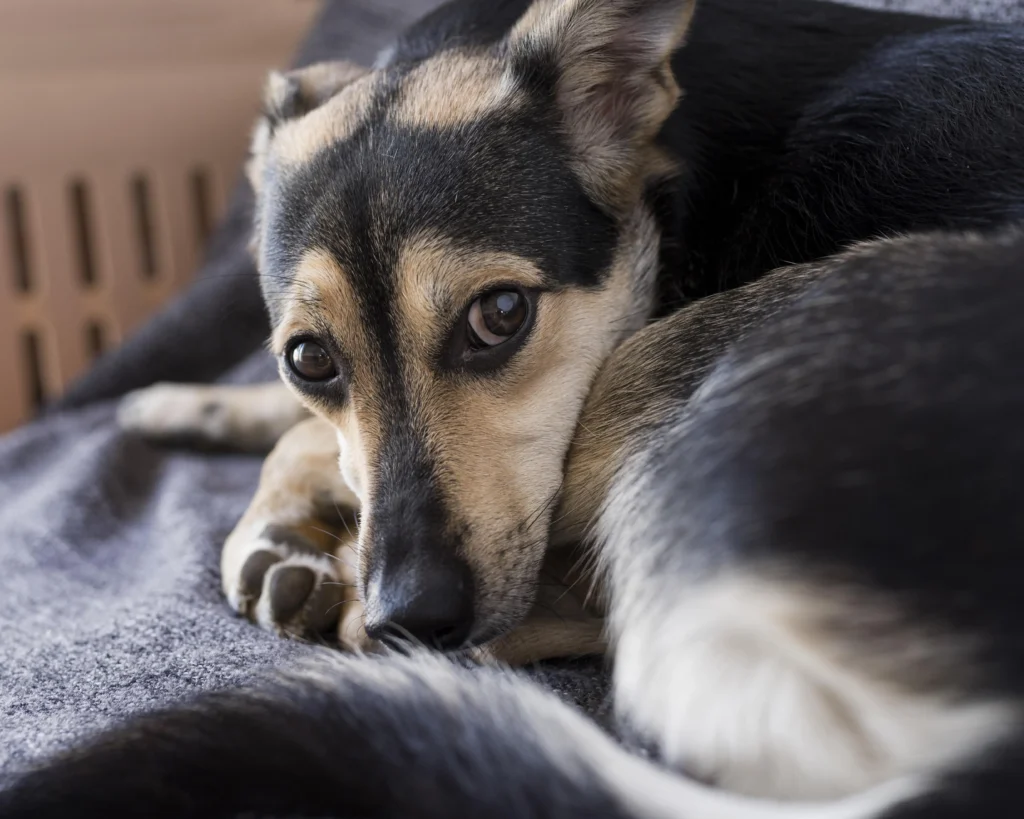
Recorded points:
(339,560)
(343,518)
(326,532)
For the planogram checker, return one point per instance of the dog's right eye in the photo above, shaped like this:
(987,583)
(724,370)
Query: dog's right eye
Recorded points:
(492,328)
(310,361)
(497,316)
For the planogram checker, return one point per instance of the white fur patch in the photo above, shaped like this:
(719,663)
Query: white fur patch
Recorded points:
(737,695)
(737,681)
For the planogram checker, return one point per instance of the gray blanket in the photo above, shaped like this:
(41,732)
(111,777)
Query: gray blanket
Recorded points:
(109,594)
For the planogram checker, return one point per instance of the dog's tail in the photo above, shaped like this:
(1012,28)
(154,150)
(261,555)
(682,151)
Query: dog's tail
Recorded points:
(412,737)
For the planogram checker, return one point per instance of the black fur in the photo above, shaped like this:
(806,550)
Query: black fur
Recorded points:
(925,134)
(362,738)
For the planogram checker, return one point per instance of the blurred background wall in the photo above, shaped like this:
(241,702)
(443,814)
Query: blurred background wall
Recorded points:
(123,127)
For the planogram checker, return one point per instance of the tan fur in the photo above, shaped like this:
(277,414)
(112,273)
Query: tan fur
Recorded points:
(454,89)
(436,279)
(322,297)
(316,84)
(542,638)
(300,493)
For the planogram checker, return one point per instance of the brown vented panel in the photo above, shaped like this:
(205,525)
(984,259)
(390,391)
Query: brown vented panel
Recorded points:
(124,125)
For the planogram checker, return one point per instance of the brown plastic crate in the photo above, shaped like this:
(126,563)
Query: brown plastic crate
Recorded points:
(123,124)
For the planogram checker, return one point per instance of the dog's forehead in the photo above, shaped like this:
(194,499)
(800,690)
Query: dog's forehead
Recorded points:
(430,156)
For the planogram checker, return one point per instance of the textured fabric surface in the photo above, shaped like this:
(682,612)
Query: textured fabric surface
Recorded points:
(109,591)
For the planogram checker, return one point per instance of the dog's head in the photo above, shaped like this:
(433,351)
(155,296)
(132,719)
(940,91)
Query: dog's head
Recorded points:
(449,249)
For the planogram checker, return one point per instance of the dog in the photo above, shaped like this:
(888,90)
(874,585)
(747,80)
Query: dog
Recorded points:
(739,313)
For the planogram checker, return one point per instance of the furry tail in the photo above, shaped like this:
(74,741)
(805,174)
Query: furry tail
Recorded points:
(412,737)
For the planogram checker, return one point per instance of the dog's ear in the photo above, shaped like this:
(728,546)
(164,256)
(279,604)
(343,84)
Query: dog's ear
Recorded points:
(291,94)
(609,64)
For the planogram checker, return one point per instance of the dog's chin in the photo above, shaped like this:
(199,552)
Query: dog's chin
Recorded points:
(500,621)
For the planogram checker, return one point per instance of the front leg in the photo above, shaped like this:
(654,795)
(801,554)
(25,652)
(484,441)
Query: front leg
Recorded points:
(251,418)
(289,564)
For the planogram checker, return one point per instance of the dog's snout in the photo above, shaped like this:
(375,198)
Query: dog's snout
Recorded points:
(428,602)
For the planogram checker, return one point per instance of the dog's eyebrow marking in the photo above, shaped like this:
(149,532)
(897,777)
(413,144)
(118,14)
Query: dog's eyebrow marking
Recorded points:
(454,89)
(296,142)
(320,293)
(435,278)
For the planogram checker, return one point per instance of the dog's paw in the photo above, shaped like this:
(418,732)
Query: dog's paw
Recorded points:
(251,417)
(287,585)
(176,412)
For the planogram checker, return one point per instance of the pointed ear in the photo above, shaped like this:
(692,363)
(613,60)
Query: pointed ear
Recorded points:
(291,94)
(610,64)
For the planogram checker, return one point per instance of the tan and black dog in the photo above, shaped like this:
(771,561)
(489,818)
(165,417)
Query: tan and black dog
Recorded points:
(743,316)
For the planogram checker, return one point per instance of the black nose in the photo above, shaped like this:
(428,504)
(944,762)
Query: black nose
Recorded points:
(428,601)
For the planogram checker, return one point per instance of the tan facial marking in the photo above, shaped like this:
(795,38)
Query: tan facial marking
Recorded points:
(320,297)
(320,293)
(453,89)
(501,437)
(436,280)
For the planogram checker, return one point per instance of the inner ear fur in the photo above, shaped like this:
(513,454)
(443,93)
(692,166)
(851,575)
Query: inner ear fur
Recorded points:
(613,82)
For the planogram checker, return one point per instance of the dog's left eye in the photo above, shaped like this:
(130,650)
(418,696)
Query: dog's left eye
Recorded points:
(310,361)
(497,316)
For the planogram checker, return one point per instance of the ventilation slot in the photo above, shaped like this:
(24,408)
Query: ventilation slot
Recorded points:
(14,211)
(95,339)
(81,220)
(33,357)
(142,203)
(201,206)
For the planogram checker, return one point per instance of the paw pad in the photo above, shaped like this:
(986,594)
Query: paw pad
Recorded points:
(254,570)
(289,589)
(289,586)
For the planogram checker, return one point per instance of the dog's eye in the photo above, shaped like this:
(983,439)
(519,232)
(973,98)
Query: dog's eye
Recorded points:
(497,316)
(492,329)
(310,361)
